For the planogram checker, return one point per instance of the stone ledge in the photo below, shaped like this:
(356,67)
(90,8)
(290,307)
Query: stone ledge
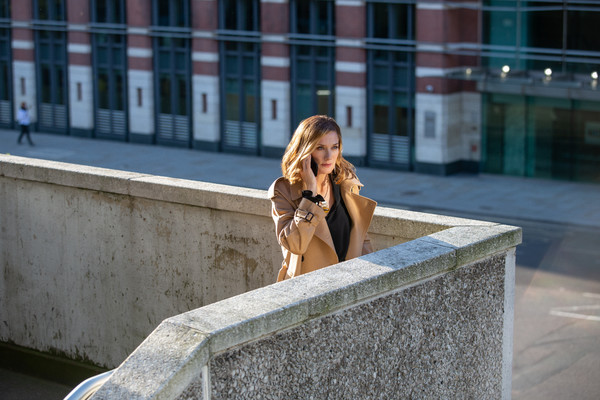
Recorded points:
(250,316)
(386,221)
(138,377)
(475,242)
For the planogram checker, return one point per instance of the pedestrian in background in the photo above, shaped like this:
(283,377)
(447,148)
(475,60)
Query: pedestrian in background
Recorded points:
(24,121)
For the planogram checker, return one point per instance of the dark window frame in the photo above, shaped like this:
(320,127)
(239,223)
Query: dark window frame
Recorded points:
(174,55)
(240,52)
(392,55)
(114,31)
(315,48)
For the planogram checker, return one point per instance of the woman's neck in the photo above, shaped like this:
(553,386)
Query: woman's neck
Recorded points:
(322,182)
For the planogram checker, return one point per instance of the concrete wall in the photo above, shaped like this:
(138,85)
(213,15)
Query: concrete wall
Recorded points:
(94,259)
(429,318)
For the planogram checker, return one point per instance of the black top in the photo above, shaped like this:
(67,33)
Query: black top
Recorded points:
(339,223)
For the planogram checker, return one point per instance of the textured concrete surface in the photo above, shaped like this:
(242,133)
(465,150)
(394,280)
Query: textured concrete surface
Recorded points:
(131,250)
(440,339)
(265,312)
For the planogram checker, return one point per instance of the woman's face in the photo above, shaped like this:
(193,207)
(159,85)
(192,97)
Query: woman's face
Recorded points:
(326,153)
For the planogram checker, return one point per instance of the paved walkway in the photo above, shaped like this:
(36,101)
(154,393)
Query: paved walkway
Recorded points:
(481,196)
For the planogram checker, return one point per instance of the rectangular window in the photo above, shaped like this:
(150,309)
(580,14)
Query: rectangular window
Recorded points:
(171,13)
(312,26)
(49,10)
(240,74)
(535,35)
(391,77)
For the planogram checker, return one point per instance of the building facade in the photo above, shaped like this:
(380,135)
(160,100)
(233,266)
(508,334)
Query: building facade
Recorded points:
(498,86)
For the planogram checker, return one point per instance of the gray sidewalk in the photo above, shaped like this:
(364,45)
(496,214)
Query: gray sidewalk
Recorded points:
(480,196)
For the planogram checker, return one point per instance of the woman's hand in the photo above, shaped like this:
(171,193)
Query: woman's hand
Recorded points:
(308,176)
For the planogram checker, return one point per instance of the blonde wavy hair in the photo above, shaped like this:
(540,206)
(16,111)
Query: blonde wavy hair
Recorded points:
(305,141)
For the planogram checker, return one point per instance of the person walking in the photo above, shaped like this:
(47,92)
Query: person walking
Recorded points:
(24,121)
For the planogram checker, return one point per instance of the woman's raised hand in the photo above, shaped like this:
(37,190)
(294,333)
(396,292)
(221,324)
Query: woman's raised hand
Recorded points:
(308,176)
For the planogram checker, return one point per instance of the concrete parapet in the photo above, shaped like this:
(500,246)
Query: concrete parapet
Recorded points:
(94,259)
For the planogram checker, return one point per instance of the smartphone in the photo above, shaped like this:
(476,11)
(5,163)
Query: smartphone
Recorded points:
(314,166)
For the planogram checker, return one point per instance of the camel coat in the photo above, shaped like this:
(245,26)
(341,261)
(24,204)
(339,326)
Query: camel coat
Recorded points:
(307,245)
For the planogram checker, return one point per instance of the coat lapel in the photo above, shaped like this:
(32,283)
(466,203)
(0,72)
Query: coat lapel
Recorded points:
(361,211)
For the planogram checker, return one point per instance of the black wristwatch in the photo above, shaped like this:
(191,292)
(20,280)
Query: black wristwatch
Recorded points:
(308,194)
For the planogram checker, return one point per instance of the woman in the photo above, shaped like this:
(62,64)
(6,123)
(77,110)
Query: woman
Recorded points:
(320,219)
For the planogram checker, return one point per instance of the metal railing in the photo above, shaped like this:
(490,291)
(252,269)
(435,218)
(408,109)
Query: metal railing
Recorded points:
(87,388)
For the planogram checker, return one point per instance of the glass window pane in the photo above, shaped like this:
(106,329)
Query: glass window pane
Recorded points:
(118,12)
(44,52)
(119,93)
(101,39)
(231,46)
(248,65)
(164,41)
(322,72)
(231,65)
(182,92)
(42,9)
(380,119)
(380,75)
(251,23)
(59,97)
(232,100)
(117,57)
(58,10)
(250,89)
(165,94)
(101,11)
(303,50)
(583,28)
(180,14)
(3,81)
(303,70)
(324,26)
(302,16)
(46,84)
(58,53)
(380,20)
(401,77)
(400,22)
(102,55)
(324,51)
(401,121)
(163,13)
(500,28)
(535,27)
(103,89)
(180,61)
(303,102)
(323,100)
(164,60)
(229,10)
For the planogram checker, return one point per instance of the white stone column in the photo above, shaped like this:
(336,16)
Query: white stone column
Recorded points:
(351,116)
(276,129)
(81,98)
(206,101)
(447,127)
(24,89)
(141,102)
